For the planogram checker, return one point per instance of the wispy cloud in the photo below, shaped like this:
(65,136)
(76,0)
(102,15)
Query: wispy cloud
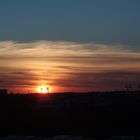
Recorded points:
(68,64)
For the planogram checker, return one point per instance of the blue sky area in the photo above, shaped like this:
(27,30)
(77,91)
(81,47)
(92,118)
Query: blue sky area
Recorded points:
(101,21)
(70,45)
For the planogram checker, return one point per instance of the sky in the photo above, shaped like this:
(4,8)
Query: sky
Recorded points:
(69,45)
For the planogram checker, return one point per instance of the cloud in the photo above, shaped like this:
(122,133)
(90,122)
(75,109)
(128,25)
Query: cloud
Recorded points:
(61,49)
(68,64)
(100,80)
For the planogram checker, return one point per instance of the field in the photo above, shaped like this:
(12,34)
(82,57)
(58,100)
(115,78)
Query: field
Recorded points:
(87,114)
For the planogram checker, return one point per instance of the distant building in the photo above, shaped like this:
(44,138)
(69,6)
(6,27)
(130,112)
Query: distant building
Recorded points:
(3,91)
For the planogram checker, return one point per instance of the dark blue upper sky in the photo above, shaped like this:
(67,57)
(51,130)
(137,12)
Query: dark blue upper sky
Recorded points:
(105,21)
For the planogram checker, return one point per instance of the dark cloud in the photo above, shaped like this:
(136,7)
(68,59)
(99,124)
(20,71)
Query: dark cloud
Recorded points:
(103,80)
(68,64)
(16,78)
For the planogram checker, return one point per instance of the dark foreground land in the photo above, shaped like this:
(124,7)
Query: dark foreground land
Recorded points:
(89,114)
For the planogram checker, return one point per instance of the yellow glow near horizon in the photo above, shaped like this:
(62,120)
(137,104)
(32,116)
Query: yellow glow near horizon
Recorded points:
(66,66)
(43,89)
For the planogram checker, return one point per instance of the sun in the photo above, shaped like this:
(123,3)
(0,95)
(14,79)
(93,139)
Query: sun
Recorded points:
(43,89)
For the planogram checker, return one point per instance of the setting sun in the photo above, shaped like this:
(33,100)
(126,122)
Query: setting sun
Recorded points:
(43,89)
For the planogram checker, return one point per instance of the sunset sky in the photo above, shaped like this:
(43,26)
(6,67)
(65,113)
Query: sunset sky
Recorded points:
(69,45)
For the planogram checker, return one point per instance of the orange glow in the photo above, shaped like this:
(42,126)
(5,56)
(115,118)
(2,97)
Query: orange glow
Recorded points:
(43,89)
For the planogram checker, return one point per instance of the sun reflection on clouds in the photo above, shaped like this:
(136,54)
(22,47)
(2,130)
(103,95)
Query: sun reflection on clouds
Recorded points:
(65,66)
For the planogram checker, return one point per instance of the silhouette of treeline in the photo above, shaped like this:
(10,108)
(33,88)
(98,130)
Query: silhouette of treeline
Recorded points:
(86,114)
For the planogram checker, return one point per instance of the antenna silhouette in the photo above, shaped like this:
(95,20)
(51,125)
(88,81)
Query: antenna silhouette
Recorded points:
(48,90)
(128,87)
(138,87)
